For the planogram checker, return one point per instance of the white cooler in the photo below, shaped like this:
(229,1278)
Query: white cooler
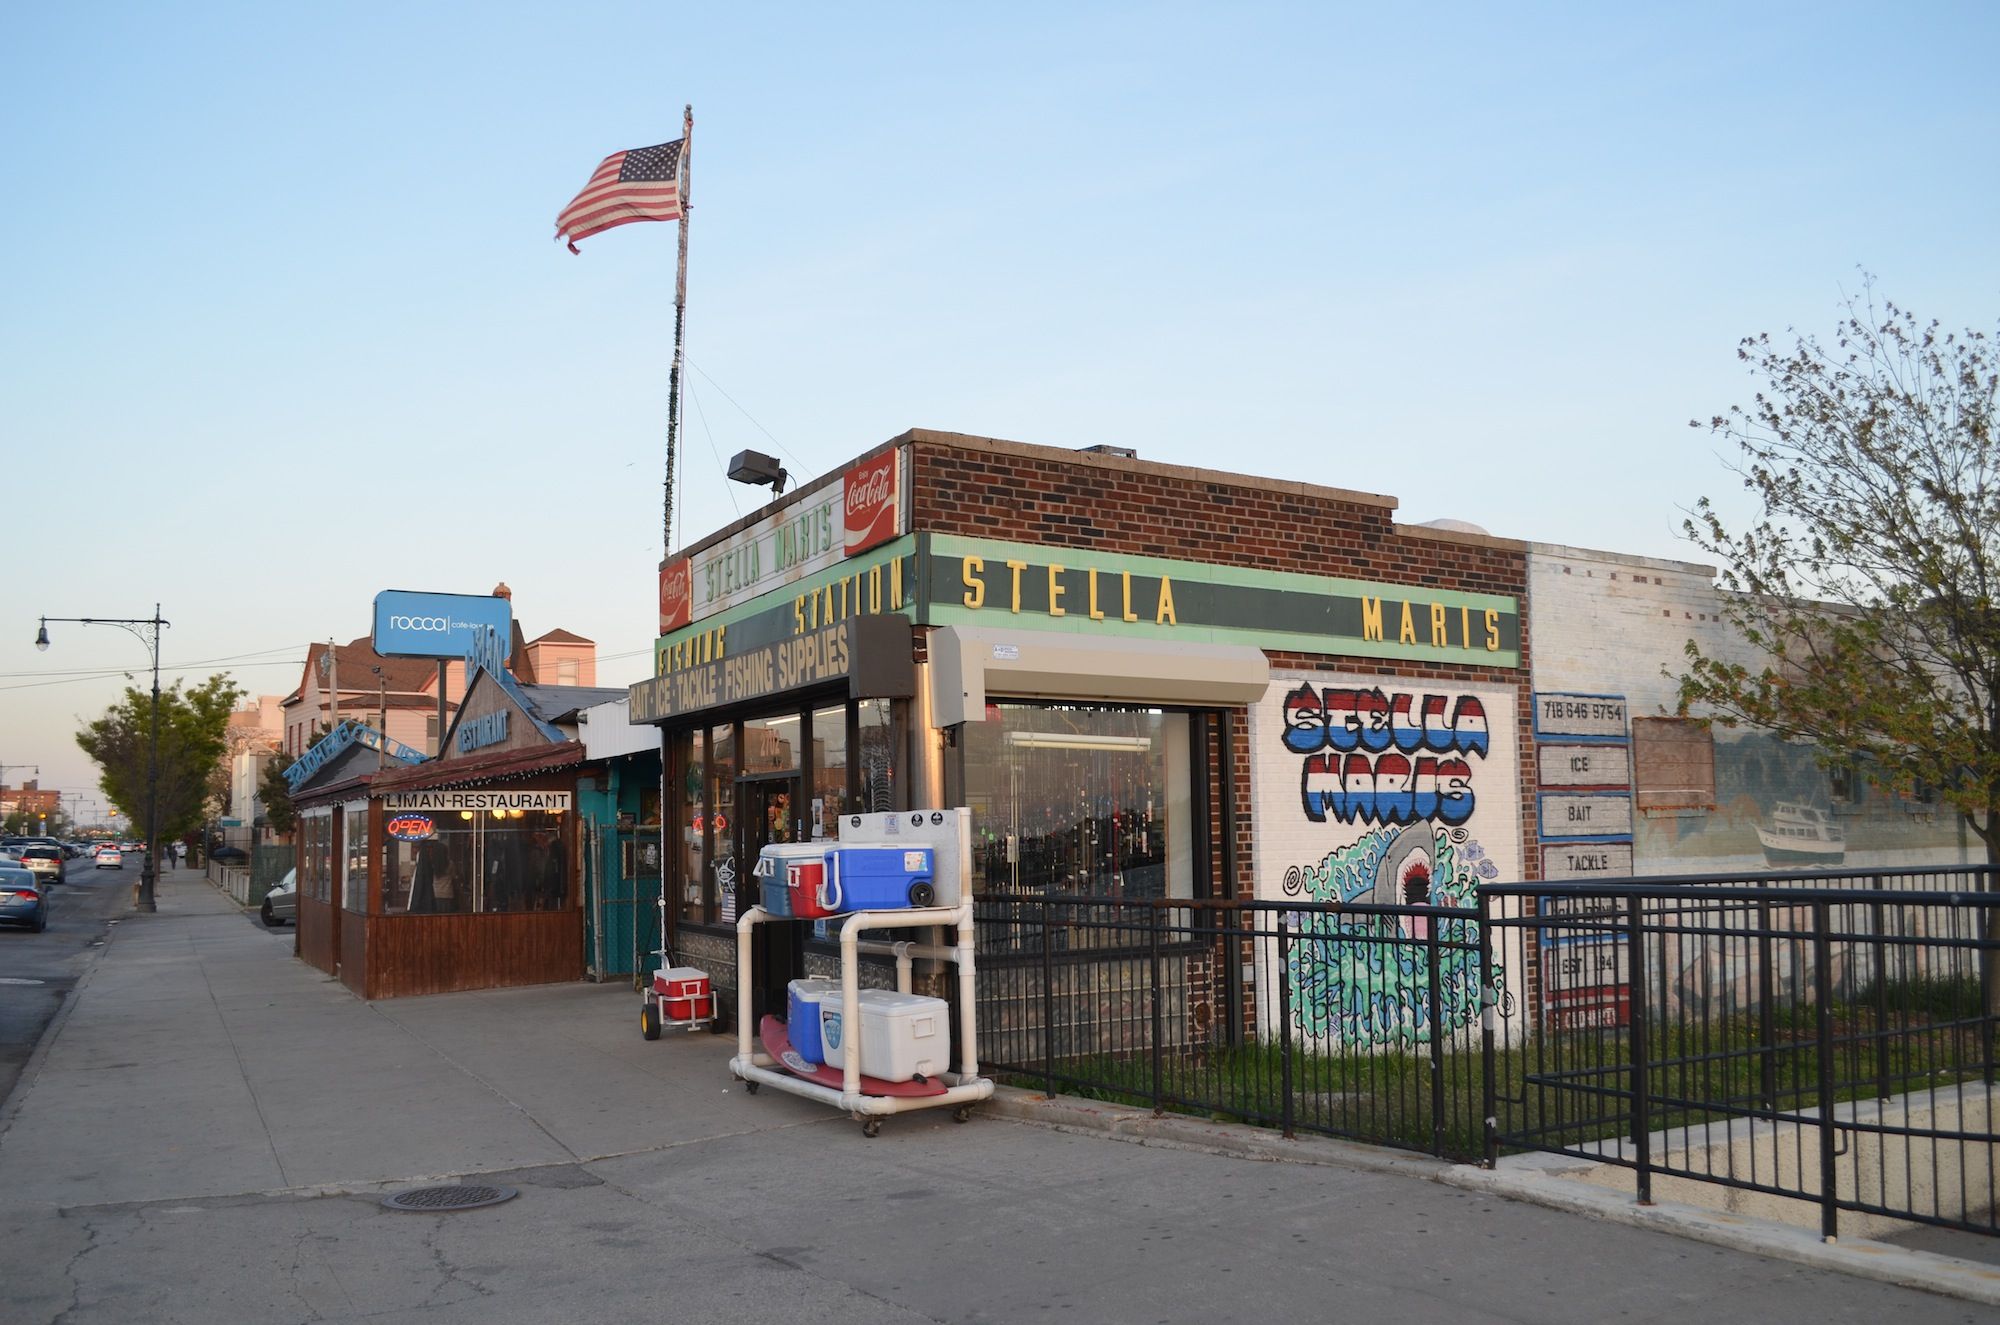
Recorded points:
(902,1036)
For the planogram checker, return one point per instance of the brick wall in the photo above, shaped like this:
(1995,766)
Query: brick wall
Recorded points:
(975,487)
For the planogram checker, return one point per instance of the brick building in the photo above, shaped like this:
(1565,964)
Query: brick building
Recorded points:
(31,800)
(1146,680)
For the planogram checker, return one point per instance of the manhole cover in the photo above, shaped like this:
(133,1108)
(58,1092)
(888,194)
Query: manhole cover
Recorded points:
(466,1197)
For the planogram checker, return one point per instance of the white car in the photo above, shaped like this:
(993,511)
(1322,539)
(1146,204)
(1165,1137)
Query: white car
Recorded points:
(110,858)
(281,903)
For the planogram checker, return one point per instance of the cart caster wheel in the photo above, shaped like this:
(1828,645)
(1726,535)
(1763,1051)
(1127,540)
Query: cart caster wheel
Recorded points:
(873,1127)
(649,1021)
(751,1086)
(962,1114)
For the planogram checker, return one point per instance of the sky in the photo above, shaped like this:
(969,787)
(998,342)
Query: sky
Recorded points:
(282,323)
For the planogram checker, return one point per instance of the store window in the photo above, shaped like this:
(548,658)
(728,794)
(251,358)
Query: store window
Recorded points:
(874,756)
(720,885)
(354,868)
(828,795)
(771,745)
(691,828)
(481,861)
(1080,801)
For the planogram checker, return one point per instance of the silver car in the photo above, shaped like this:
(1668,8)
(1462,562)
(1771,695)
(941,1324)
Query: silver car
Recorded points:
(281,903)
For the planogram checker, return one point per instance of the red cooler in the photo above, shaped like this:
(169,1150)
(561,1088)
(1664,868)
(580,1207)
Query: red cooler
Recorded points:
(685,993)
(806,880)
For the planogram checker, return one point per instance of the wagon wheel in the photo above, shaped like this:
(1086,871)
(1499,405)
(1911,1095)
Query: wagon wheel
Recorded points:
(873,1127)
(649,1020)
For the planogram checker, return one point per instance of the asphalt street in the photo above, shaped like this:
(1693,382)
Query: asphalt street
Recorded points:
(37,970)
(208,1129)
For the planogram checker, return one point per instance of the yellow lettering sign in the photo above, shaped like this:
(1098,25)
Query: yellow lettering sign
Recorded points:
(975,588)
(1165,614)
(1371,618)
(1017,567)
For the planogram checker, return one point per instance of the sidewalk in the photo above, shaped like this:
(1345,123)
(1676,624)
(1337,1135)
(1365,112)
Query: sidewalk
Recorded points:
(203,1130)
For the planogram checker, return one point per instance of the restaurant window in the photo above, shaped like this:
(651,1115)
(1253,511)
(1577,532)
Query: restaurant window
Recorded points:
(316,855)
(484,861)
(1080,801)
(828,798)
(354,868)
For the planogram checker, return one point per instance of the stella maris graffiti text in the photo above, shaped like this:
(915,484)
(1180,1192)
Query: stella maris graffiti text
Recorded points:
(1379,758)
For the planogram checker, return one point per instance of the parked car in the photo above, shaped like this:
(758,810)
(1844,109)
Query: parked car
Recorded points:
(23,899)
(229,855)
(281,903)
(46,861)
(110,858)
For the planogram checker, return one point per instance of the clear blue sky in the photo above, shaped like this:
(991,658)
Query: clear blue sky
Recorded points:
(281,322)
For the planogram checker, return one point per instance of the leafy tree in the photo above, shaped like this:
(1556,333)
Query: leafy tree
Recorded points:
(1869,591)
(276,793)
(193,727)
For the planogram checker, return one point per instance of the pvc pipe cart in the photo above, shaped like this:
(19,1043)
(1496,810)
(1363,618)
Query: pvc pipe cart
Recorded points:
(963,1088)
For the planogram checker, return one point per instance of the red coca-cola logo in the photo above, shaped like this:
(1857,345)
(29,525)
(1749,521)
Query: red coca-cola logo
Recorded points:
(675,583)
(872,504)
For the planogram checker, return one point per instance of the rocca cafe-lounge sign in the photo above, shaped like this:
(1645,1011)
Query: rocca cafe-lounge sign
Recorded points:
(864,510)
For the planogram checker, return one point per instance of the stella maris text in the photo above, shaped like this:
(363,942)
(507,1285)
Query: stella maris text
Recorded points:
(1384,758)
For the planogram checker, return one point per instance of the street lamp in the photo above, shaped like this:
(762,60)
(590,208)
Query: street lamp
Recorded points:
(148,630)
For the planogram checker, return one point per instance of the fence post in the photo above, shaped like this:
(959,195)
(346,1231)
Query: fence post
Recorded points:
(1489,1015)
(1829,1211)
(1283,980)
(1048,1005)
(1437,1039)
(1880,916)
(1767,995)
(1153,961)
(1639,1003)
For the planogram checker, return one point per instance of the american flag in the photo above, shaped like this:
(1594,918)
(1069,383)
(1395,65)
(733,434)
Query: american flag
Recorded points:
(641,184)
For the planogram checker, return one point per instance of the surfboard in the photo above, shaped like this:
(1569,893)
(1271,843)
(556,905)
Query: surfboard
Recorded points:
(778,1044)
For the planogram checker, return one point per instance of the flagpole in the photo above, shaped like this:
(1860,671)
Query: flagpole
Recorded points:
(680,323)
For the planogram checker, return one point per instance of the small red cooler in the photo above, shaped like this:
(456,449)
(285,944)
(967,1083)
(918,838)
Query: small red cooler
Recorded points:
(807,880)
(685,994)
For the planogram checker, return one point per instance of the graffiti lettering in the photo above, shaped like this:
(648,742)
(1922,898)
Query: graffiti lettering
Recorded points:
(1386,789)
(1346,720)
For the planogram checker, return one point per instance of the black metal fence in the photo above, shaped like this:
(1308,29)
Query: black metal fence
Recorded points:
(1827,1038)
(1370,1033)
(1694,1028)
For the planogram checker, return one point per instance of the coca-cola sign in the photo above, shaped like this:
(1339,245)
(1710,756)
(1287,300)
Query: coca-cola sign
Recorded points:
(674,603)
(874,507)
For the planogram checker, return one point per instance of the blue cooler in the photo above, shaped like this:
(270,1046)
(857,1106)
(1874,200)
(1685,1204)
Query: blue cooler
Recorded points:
(880,878)
(802,998)
(772,876)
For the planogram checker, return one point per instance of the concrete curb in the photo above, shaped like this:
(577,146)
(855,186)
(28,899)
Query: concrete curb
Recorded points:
(1862,1258)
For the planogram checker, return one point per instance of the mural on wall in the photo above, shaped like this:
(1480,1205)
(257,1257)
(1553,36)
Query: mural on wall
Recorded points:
(1371,792)
(1777,808)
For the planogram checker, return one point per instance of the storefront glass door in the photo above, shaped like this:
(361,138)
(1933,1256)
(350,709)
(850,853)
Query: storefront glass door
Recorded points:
(767,813)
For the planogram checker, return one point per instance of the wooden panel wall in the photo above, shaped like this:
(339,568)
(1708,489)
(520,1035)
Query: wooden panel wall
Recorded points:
(354,952)
(316,923)
(434,954)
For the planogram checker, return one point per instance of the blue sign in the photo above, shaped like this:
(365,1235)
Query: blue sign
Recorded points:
(487,729)
(340,738)
(436,625)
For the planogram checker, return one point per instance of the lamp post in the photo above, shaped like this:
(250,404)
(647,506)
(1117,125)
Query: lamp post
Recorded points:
(148,630)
